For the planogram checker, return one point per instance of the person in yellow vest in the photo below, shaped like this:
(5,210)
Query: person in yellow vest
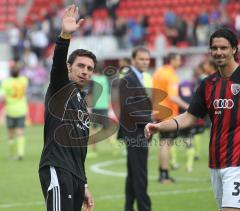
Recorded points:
(166,80)
(147,79)
(14,91)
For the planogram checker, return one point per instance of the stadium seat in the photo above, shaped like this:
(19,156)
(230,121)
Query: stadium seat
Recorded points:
(12,2)
(3,10)
(183,44)
(2,26)
(12,18)
(3,18)
(21,2)
(12,9)
(3,3)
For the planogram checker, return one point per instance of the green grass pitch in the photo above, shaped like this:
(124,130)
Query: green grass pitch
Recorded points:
(20,188)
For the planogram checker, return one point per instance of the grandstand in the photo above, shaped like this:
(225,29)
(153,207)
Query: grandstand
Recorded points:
(19,17)
(111,31)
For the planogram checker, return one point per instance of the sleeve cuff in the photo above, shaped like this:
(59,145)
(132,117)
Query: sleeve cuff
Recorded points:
(65,36)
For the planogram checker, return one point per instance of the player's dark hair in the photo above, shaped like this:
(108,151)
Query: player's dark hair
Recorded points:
(83,53)
(227,34)
(170,57)
(15,69)
(139,49)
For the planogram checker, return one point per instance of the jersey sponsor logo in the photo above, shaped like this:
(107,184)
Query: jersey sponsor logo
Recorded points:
(235,89)
(223,103)
(84,118)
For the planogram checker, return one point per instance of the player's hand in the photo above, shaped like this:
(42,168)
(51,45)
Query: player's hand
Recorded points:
(69,22)
(88,202)
(150,129)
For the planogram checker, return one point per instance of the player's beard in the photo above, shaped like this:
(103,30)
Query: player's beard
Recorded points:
(222,63)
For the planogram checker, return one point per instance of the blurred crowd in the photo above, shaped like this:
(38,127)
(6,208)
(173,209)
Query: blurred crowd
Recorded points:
(31,44)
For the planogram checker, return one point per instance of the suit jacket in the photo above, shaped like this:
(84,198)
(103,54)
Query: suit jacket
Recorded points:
(135,107)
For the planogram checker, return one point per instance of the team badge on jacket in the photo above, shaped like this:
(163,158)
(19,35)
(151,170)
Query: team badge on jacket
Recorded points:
(235,88)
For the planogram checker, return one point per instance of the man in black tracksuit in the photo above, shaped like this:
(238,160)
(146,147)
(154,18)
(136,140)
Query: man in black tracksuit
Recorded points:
(66,129)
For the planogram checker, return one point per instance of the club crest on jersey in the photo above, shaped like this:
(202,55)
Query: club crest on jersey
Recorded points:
(235,89)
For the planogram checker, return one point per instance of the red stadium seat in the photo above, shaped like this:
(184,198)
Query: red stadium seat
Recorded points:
(12,9)
(2,26)
(3,10)
(3,2)
(12,18)
(183,44)
(12,2)
(3,18)
(21,2)
(181,2)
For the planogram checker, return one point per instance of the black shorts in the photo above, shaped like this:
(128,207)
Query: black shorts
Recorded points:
(101,118)
(61,189)
(184,133)
(15,122)
(199,129)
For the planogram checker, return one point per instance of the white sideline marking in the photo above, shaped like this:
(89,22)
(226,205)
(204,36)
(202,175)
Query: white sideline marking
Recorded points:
(99,169)
(22,204)
(162,193)
(110,197)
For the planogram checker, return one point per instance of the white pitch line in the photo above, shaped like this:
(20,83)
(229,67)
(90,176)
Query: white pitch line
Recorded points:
(161,193)
(98,168)
(110,197)
(21,204)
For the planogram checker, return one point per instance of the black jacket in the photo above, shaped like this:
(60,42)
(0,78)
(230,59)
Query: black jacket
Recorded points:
(135,107)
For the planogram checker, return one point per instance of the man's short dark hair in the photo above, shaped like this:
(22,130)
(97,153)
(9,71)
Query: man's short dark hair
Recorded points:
(227,34)
(139,49)
(170,57)
(83,53)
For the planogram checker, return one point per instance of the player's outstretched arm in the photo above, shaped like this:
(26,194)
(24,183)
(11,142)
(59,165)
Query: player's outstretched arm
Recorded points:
(179,122)
(59,71)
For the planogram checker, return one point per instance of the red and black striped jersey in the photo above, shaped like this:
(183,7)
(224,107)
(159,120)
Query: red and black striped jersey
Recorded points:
(220,98)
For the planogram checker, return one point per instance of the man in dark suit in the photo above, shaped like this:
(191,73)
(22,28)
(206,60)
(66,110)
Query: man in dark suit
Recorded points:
(135,112)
